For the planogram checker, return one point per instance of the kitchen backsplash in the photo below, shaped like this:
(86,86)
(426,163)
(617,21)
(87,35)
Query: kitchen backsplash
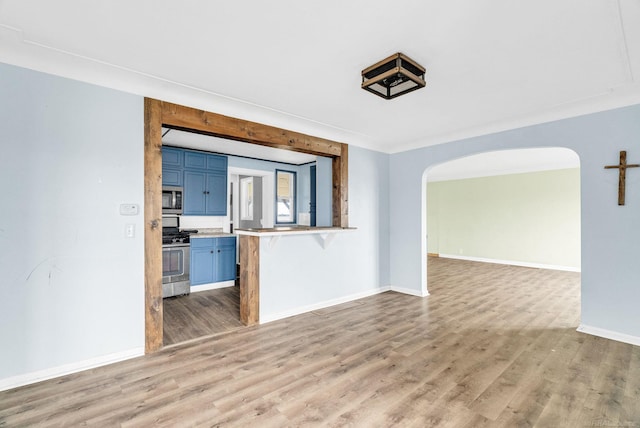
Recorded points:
(204,222)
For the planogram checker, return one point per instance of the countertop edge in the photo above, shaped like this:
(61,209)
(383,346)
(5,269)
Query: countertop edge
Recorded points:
(210,235)
(312,231)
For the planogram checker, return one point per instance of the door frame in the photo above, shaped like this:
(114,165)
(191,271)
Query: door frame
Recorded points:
(161,113)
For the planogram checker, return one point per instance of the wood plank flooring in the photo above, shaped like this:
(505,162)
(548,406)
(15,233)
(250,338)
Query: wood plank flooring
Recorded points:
(201,314)
(493,346)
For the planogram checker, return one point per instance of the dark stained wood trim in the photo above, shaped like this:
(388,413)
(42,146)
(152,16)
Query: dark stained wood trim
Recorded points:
(243,130)
(153,224)
(341,188)
(249,279)
(161,113)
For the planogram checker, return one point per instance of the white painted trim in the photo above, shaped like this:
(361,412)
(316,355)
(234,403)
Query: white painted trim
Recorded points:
(53,372)
(410,291)
(608,334)
(321,305)
(511,262)
(212,286)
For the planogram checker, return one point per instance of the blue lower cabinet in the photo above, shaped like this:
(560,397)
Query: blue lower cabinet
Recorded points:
(225,263)
(213,260)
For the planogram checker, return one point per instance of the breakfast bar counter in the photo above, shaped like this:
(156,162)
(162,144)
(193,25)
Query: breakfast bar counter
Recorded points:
(282,266)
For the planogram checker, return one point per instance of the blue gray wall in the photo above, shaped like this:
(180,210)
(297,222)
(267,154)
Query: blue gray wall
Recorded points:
(323,183)
(72,284)
(354,264)
(610,233)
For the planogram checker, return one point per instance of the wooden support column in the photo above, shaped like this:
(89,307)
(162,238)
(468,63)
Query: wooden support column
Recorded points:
(153,224)
(340,167)
(249,279)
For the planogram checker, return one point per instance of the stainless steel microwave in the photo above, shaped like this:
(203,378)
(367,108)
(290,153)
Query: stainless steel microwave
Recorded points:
(171,200)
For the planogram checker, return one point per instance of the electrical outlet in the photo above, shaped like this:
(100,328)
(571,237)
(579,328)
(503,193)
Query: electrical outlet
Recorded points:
(130,231)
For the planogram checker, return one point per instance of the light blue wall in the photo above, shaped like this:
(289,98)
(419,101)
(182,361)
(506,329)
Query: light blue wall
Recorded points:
(324,192)
(72,285)
(323,183)
(610,233)
(355,263)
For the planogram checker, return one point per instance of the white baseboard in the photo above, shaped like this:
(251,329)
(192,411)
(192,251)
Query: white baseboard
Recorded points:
(409,291)
(511,262)
(38,376)
(212,286)
(321,305)
(608,334)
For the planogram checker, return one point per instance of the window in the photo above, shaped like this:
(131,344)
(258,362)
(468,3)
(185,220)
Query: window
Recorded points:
(285,196)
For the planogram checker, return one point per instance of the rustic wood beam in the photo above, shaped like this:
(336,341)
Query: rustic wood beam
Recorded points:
(153,223)
(249,279)
(187,118)
(340,178)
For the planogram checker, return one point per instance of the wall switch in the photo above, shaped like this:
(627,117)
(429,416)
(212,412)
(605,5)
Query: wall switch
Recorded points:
(130,231)
(129,209)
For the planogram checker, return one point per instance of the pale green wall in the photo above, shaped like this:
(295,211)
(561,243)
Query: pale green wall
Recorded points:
(530,217)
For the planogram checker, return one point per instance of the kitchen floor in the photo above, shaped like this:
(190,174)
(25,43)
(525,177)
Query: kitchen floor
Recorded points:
(201,314)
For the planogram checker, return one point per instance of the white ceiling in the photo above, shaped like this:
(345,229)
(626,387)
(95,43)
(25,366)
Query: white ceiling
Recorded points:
(491,65)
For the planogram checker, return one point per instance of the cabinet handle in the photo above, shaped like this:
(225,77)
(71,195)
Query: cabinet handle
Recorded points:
(211,251)
(218,250)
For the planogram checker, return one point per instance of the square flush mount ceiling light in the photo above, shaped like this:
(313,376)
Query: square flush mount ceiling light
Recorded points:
(393,76)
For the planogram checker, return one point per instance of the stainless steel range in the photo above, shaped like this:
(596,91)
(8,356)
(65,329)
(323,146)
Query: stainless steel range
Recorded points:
(175,258)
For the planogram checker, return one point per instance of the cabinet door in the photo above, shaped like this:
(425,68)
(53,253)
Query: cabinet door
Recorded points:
(225,264)
(171,177)
(172,157)
(202,260)
(195,160)
(195,197)
(202,267)
(217,163)
(216,194)
(172,166)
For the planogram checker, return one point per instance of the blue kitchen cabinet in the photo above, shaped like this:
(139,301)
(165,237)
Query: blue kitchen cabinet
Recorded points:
(172,166)
(216,201)
(195,196)
(225,259)
(202,261)
(172,158)
(213,260)
(205,184)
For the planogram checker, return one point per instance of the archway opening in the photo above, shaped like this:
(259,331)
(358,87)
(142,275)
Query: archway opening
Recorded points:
(516,207)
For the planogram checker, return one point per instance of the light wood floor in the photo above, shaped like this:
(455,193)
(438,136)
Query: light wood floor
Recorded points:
(493,346)
(201,314)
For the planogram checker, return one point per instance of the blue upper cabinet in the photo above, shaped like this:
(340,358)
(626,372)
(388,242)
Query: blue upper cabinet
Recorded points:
(195,160)
(195,193)
(205,184)
(172,166)
(172,158)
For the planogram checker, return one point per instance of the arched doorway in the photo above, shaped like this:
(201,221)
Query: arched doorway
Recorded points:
(519,207)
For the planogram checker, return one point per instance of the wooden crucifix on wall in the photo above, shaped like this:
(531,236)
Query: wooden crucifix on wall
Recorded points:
(622,174)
